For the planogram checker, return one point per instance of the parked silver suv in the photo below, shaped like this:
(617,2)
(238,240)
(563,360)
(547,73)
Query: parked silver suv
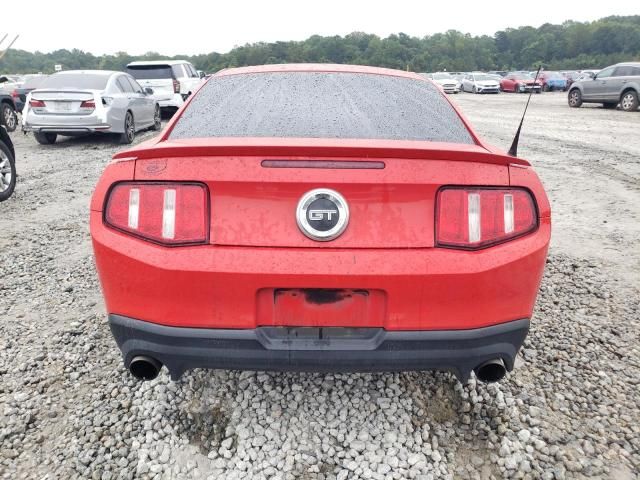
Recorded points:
(617,84)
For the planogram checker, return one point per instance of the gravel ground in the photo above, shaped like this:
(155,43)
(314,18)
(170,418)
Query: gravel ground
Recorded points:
(68,409)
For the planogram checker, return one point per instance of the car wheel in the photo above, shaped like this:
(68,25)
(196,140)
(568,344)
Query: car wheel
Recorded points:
(609,106)
(9,117)
(7,173)
(545,87)
(157,119)
(129,133)
(474,90)
(44,138)
(575,98)
(629,101)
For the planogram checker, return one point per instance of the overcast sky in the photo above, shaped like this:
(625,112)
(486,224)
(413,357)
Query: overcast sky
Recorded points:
(194,26)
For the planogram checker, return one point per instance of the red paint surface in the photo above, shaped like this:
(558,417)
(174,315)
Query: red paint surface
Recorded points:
(255,246)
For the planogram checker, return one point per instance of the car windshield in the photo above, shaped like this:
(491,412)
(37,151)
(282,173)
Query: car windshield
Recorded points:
(441,76)
(150,72)
(483,78)
(90,81)
(321,105)
(554,75)
(523,76)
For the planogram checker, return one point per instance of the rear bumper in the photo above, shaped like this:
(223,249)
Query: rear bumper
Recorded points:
(338,350)
(170,101)
(488,89)
(68,129)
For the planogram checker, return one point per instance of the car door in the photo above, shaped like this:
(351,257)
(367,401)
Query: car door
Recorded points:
(129,103)
(618,82)
(144,103)
(595,90)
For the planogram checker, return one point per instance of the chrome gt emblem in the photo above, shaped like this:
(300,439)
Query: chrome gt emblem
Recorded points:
(322,214)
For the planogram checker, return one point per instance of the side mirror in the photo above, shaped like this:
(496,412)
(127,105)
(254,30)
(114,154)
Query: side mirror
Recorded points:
(201,74)
(148,91)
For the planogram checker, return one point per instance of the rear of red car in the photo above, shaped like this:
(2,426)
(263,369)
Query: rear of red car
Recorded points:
(319,218)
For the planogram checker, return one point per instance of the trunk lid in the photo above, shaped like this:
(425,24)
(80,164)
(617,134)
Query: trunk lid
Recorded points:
(62,101)
(254,194)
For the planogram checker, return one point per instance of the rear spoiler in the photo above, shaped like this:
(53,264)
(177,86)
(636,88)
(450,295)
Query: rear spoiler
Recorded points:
(313,147)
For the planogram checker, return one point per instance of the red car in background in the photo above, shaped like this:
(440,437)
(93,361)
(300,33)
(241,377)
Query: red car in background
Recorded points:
(520,83)
(319,218)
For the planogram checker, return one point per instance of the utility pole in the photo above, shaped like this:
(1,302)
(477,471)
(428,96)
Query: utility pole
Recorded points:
(3,52)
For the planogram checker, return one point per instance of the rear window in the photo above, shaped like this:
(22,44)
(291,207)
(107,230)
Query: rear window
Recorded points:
(76,80)
(150,72)
(321,105)
(34,82)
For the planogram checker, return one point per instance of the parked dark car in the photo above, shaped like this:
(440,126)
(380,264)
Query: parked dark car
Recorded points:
(7,165)
(8,116)
(617,84)
(20,94)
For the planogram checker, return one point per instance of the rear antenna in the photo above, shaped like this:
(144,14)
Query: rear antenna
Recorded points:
(513,151)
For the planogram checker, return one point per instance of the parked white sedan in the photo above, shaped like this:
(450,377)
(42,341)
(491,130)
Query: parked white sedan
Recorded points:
(448,83)
(480,83)
(78,102)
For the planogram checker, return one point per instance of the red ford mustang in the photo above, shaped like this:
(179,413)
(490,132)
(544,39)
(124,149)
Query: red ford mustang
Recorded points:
(319,217)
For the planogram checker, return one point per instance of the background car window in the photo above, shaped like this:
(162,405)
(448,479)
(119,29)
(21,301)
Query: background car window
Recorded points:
(192,71)
(134,85)
(76,80)
(606,73)
(321,105)
(34,82)
(178,71)
(623,71)
(124,85)
(150,72)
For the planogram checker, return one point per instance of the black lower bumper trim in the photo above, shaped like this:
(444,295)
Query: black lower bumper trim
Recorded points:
(319,350)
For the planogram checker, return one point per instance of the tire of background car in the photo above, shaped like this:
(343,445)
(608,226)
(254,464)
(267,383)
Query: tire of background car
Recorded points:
(129,133)
(7,173)
(546,88)
(629,101)
(473,89)
(575,98)
(8,117)
(45,138)
(157,119)
(609,106)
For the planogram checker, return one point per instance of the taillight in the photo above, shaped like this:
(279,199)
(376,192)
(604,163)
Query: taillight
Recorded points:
(176,86)
(472,218)
(37,104)
(15,94)
(167,212)
(88,106)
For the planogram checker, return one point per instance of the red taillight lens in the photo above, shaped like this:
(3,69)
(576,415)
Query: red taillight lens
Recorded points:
(36,104)
(88,105)
(15,94)
(168,213)
(474,218)
(176,86)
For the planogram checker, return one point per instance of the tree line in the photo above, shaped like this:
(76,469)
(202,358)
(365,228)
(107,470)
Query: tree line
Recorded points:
(570,45)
